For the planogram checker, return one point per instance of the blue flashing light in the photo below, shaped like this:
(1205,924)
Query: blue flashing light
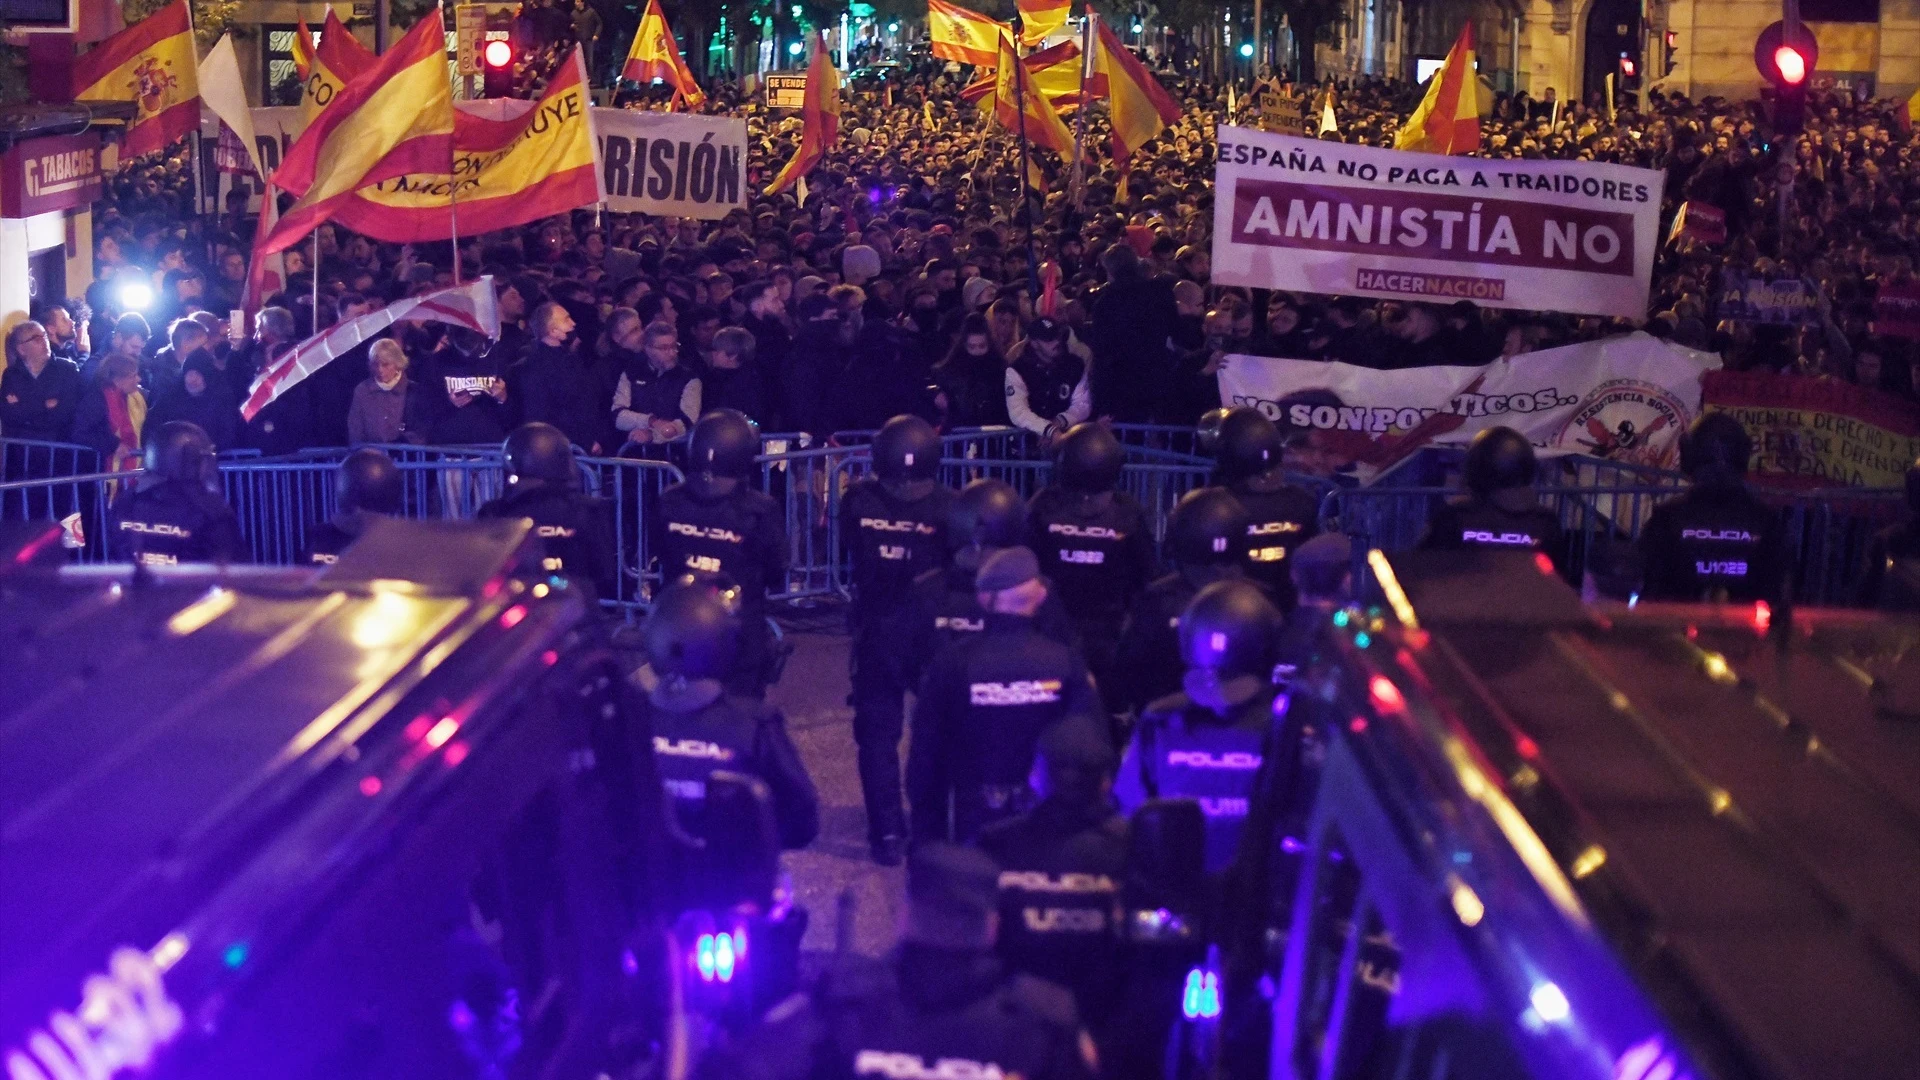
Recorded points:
(1201,999)
(703,958)
(718,956)
(1341,618)
(1362,639)
(235,954)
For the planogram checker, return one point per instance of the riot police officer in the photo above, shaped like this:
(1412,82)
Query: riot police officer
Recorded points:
(575,529)
(182,518)
(1501,511)
(943,607)
(692,636)
(1206,537)
(894,525)
(1281,515)
(1893,544)
(715,523)
(1094,543)
(1205,742)
(1061,866)
(984,703)
(368,485)
(1716,540)
(943,1005)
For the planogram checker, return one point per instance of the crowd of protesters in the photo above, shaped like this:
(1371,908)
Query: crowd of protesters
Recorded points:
(915,279)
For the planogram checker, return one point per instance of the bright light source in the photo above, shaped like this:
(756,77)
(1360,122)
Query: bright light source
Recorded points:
(136,296)
(795,49)
(1246,50)
(1137,28)
(1626,66)
(1467,905)
(1550,1002)
(893,28)
(1792,65)
(1201,998)
(498,54)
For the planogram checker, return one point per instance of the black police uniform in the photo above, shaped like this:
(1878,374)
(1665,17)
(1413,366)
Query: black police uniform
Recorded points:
(1710,539)
(699,729)
(1184,750)
(328,539)
(979,715)
(943,608)
(893,540)
(1147,663)
(174,522)
(1097,549)
(1284,516)
(1061,868)
(738,534)
(1483,524)
(575,529)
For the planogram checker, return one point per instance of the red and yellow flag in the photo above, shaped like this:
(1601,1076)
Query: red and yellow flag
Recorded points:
(963,35)
(303,49)
(1021,108)
(1055,71)
(1141,108)
(1448,119)
(339,59)
(656,55)
(1038,18)
(511,172)
(819,119)
(153,65)
(396,118)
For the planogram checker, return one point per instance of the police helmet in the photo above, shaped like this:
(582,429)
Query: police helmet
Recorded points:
(989,513)
(1207,527)
(1089,458)
(181,451)
(1715,450)
(1229,629)
(369,480)
(1499,458)
(539,452)
(1249,444)
(691,633)
(724,445)
(1208,434)
(906,448)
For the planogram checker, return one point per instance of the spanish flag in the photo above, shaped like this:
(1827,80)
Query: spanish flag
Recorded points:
(656,55)
(339,59)
(1022,109)
(1055,71)
(1141,108)
(819,118)
(512,172)
(1038,18)
(1448,119)
(395,119)
(153,65)
(963,35)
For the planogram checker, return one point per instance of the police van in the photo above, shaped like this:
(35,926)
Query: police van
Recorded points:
(386,821)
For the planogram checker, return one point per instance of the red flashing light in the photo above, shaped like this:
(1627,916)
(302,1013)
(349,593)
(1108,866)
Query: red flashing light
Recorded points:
(1386,696)
(1792,65)
(550,657)
(1545,562)
(1762,615)
(1626,66)
(457,753)
(497,54)
(417,727)
(1527,747)
(511,617)
(1358,725)
(370,786)
(438,735)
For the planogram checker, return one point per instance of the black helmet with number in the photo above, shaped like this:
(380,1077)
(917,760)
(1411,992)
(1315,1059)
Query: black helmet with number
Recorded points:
(906,450)
(988,513)
(539,452)
(1089,458)
(180,451)
(1208,433)
(1249,444)
(369,480)
(1208,527)
(692,632)
(1715,450)
(1498,459)
(721,451)
(1230,628)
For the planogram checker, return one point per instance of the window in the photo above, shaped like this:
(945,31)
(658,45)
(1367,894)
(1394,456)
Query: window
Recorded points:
(281,77)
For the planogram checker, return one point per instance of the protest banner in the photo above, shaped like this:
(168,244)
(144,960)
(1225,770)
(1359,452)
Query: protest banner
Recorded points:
(1327,217)
(1810,432)
(1786,302)
(1280,112)
(1699,221)
(672,164)
(786,89)
(1896,310)
(1626,399)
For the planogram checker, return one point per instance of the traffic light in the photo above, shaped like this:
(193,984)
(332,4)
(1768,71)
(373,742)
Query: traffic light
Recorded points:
(1629,73)
(496,62)
(1673,52)
(1787,63)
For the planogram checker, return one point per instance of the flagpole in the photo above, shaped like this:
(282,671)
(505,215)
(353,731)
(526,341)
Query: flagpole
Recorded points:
(1080,120)
(314,272)
(1020,103)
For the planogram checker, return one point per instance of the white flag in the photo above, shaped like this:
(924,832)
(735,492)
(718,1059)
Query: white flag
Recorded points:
(225,95)
(472,305)
(1326,113)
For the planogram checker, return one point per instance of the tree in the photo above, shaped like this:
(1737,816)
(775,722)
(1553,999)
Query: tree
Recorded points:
(211,18)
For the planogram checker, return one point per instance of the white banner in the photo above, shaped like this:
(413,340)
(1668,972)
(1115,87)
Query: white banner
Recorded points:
(1626,399)
(672,164)
(1326,217)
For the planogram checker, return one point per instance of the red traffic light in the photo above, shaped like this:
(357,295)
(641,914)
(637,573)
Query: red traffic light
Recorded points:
(1626,66)
(497,54)
(1673,39)
(1791,64)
